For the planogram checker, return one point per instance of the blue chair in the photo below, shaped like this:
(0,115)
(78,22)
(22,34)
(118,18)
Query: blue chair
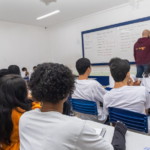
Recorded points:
(132,120)
(84,106)
(108,88)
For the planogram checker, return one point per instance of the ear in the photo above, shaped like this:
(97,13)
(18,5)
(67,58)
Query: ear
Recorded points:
(128,75)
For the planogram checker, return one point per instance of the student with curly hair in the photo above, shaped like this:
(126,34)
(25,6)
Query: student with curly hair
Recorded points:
(13,96)
(47,128)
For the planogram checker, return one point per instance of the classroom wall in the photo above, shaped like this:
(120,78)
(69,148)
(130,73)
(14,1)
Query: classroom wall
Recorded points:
(23,45)
(65,39)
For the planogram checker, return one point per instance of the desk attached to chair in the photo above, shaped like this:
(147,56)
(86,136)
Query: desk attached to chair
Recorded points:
(134,141)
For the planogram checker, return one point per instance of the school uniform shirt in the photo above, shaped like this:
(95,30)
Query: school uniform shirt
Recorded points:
(93,91)
(36,105)
(15,116)
(52,130)
(15,142)
(133,98)
(146,82)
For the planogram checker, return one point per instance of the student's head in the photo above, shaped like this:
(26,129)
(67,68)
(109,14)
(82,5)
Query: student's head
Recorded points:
(83,66)
(146,33)
(13,94)
(120,70)
(112,60)
(24,69)
(3,72)
(147,72)
(14,69)
(34,68)
(51,83)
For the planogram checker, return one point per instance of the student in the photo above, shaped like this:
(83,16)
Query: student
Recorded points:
(13,95)
(112,82)
(88,90)
(14,69)
(26,71)
(133,98)
(34,68)
(47,128)
(3,72)
(146,78)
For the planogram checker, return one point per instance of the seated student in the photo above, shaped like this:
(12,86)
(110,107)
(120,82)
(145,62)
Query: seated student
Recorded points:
(88,90)
(13,95)
(112,82)
(133,98)
(34,68)
(146,78)
(3,72)
(26,71)
(14,69)
(47,128)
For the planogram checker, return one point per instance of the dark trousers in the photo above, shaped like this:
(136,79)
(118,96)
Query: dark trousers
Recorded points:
(140,70)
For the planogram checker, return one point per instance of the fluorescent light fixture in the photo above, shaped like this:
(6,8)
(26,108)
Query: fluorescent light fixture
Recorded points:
(50,14)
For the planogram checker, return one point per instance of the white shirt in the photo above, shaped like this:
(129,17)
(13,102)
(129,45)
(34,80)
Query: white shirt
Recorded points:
(23,74)
(93,91)
(146,82)
(54,131)
(133,98)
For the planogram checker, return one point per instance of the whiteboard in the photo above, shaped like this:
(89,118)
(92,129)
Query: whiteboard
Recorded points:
(102,44)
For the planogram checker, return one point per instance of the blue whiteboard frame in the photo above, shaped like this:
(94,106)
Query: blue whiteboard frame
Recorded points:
(109,27)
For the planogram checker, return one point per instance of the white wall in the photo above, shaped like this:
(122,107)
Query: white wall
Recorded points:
(65,39)
(23,45)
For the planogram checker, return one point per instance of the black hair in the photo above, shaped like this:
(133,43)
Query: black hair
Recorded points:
(23,69)
(82,65)
(147,71)
(119,69)
(34,67)
(112,60)
(3,72)
(13,94)
(51,82)
(14,69)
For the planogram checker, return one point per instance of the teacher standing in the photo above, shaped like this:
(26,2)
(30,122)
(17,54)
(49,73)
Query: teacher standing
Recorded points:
(142,53)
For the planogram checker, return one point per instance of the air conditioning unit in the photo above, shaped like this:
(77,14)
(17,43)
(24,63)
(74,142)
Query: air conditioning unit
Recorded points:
(47,2)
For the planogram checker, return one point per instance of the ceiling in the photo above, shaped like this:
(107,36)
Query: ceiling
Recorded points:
(26,11)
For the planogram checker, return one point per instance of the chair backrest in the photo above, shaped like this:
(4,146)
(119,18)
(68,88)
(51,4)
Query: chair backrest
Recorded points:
(132,120)
(84,106)
(108,88)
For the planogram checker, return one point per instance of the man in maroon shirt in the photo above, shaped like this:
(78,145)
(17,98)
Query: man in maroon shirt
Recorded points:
(142,53)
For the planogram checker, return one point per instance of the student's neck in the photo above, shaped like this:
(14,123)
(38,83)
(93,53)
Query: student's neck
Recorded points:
(120,84)
(83,77)
(46,107)
(144,37)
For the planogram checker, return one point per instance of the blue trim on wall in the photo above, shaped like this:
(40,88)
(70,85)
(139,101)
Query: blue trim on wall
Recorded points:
(108,27)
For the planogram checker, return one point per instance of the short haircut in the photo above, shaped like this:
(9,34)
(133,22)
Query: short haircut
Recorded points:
(119,69)
(34,67)
(82,65)
(112,60)
(14,69)
(23,69)
(51,82)
(3,72)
